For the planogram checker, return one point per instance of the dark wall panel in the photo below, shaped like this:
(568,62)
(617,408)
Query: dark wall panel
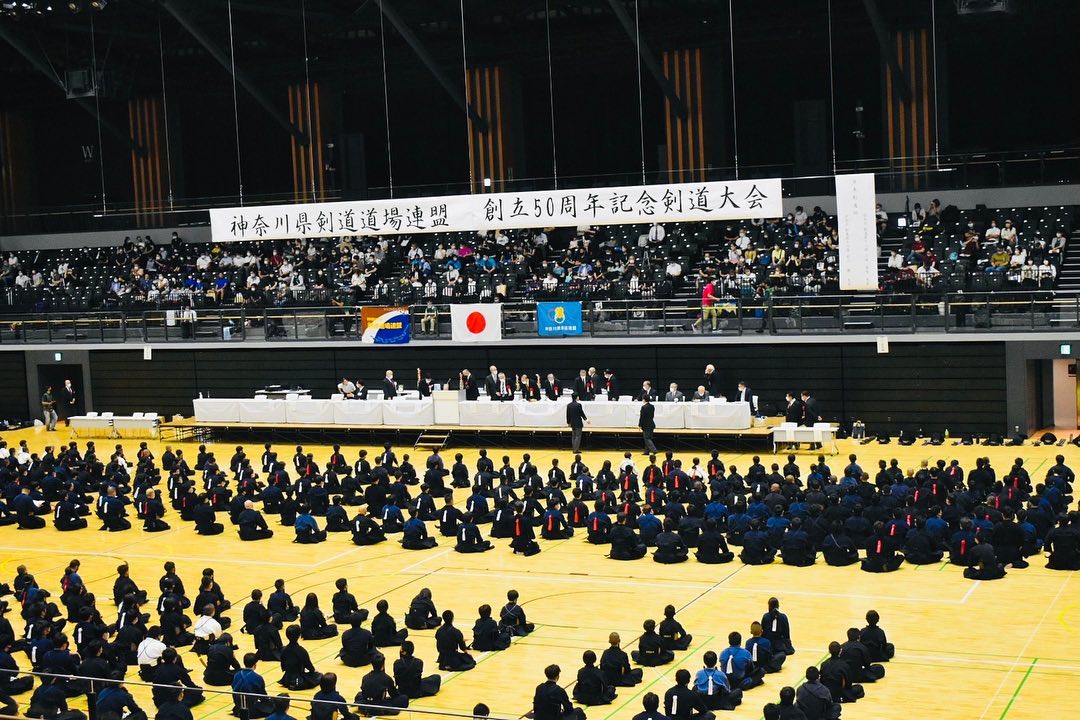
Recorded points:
(13,399)
(124,383)
(932,386)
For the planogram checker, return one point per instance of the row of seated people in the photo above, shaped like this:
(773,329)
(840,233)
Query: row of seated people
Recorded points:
(914,516)
(594,262)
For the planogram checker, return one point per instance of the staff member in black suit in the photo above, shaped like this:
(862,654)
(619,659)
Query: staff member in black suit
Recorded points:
(361,390)
(810,414)
(647,424)
(793,409)
(583,385)
(68,404)
(576,419)
(389,387)
(467,383)
(491,382)
(745,394)
(711,381)
(611,385)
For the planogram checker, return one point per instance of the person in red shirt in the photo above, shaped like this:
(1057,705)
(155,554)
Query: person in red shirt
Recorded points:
(709,311)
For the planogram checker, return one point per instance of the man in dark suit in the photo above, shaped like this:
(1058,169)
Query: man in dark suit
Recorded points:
(611,385)
(389,387)
(504,390)
(745,394)
(701,395)
(550,386)
(674,394)
(647,423)
(595,384)
(582,385)
(575,418)
(793,409)
(647,392)
(467,383)
(491,382)
(810,414)
(711,381)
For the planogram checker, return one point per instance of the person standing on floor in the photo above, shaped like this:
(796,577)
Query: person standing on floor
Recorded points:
(576,419)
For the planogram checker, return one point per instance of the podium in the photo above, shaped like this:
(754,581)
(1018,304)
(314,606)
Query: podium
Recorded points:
(446,406)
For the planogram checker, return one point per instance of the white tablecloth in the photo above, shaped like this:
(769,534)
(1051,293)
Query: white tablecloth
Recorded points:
(668,414)
(408,413)
(217,410)
(130,427)
(262,411)
(539,414)
(310,412)
(718,415)
(82,426)
(494,414)
(358,412)
(611,414)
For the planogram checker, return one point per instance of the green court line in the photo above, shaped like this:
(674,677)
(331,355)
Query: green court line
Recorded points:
(1019,687)
(656,679)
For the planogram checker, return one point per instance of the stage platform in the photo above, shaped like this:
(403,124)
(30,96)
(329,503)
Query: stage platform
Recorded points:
(192,430)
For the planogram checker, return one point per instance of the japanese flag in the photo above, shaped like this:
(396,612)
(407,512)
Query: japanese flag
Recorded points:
(476,323)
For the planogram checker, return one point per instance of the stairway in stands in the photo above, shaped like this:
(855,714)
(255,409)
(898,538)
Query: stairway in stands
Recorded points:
(1069,274)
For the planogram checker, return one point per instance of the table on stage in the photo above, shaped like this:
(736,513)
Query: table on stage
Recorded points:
(420,412)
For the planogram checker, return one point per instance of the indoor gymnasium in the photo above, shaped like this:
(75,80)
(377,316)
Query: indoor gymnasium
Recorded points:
(612,359)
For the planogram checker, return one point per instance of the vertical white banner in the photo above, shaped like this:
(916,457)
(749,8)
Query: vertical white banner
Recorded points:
(855,206)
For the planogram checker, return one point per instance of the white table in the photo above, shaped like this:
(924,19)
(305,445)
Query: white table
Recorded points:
(310,412)
(357,412)
(538,414)
(494,414)
(127,426)
(96,426)
(820,433)
(408,413)
(217,410)
(262,411)
(718,415)
(607,414)
(668,415)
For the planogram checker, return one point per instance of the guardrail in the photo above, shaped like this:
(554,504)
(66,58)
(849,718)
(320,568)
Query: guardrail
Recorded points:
(958,313)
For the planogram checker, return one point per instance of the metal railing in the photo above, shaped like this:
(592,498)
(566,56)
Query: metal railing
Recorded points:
(880,314)
(1036,166)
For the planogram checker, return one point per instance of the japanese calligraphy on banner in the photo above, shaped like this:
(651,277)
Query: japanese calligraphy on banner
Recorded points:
(592,206)
(855,208)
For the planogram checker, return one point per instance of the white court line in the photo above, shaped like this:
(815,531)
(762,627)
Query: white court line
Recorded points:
(1030,639)
(960,659)
(121,554)
(970,590)
(337,556)
(424,560)
(650,583)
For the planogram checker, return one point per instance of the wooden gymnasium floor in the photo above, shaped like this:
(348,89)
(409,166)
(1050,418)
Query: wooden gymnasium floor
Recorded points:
(1009,648)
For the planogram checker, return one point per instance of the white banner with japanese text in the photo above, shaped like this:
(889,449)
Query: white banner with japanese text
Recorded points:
(734,200)
(855,206)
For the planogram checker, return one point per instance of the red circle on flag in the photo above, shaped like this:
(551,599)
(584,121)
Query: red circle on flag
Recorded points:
(476,322)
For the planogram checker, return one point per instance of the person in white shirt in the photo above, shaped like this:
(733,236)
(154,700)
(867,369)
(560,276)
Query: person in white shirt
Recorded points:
(149,651)
(1019,257)
(743,241)
(252,280)
(926,275)
(346,388)
(286,268)
(4,452)
(203,262)
(1008,233)
(1047,269)
(22,279)
(896,260)
(801,217)
(918,215)
(882,217)
(206,626)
